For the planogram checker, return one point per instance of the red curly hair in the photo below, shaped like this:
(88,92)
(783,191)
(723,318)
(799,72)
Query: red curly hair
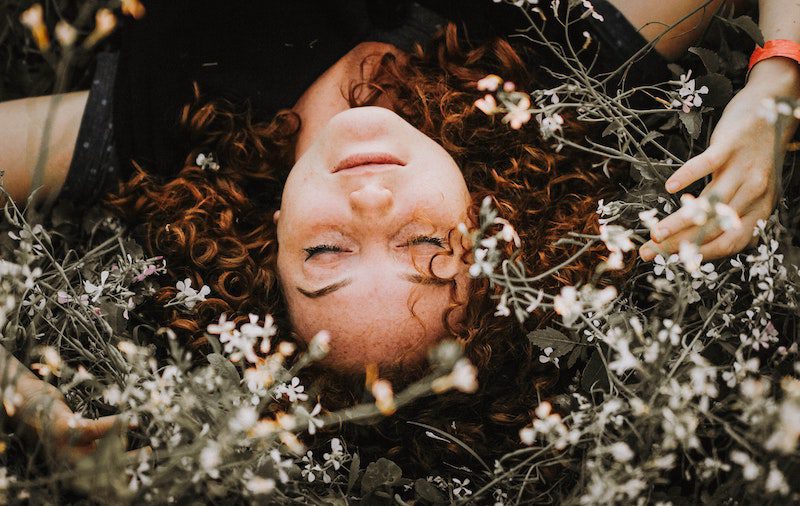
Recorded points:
(217,229)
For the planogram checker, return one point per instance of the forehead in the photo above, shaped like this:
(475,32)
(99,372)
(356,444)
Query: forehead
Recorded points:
(373,320)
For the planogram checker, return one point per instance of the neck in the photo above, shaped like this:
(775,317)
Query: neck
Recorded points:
(327,96)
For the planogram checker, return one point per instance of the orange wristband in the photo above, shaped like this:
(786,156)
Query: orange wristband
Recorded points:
(779,47)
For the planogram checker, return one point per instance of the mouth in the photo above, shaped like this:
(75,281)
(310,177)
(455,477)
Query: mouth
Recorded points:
(374,160)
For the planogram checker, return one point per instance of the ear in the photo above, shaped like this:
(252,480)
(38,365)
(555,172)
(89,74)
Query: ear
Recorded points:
(275,216)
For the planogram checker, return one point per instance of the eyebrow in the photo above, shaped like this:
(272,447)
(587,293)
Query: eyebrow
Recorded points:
(413,278)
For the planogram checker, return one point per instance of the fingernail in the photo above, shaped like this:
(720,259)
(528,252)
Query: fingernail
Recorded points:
(647,253)
(658,233)
(671,186)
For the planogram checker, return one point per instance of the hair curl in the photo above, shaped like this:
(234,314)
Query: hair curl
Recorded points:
(218,230)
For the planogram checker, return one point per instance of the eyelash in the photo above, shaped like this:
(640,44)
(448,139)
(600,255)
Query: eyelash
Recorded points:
(329,248)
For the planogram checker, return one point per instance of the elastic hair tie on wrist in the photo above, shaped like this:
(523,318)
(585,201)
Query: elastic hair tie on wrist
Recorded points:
(778,47)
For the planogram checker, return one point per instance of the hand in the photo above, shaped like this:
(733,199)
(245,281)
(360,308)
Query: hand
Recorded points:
(740,160)
(66,437)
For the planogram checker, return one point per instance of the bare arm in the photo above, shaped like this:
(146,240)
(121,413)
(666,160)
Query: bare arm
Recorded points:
(652,18)
(22,126)
(741,154)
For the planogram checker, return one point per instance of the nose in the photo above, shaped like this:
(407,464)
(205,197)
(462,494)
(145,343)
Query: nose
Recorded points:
(371,198)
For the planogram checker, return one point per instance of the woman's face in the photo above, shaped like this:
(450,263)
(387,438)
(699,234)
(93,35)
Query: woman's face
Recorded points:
(365,208)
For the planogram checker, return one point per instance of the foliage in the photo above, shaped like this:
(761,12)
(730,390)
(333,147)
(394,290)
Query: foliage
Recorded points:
(686,378)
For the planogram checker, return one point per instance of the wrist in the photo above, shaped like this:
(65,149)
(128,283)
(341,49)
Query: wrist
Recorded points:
(778,76)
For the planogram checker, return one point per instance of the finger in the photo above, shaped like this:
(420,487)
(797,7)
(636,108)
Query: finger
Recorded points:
(696,234)
(723,187)
(753,195)
(732,241)
(89,430)
(700,166)
(139,454)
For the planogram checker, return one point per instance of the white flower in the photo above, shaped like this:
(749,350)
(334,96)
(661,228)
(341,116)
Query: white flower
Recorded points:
(750,469)
(95,291)
(210,458)
(649,218)
(727,217)
(320,345)
(776,482)
(661,266)
(690,255)
(487,104)
(463,377)
(66,33)
(518,114)
(621,452)
(549,124)
(489,83)
(568,305)
(616,238)
(313,423)
(461,489)
(587,4)
(508,234)
(207,162)
(689,96)
(257,485)
(222,327)
(671,332)
(238,345)
(293,391)
(188,295)
(626,359)
(264,332)
(245,418)
(698,208)
(481,265)
(502,308)
(336,456)
(598,299)
(547,358)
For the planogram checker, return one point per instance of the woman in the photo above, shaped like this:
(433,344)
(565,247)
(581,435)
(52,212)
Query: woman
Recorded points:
(363,221)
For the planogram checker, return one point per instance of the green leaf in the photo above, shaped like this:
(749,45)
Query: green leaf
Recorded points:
(612,127)
(748,26)
(352,478)
(595,374)
(676,69)
(711,61)
(552,338)
(574,355)
(379,473)
(692,122)
(428,491)
(720,89)
(223,367)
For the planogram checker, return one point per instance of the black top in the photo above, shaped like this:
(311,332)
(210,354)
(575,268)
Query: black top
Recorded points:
(267,53)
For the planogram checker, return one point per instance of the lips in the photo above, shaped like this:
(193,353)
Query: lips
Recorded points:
(364,159)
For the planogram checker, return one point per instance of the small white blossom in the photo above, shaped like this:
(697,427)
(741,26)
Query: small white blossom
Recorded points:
(188,295)
(293,390)
(689,95)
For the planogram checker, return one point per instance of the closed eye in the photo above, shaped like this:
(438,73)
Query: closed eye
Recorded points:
(425,239)
(321,248)
(330,248)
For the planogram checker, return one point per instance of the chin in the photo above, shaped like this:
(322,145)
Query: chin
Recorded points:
(365,123)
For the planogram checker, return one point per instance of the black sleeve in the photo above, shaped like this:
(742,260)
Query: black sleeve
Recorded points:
(94,168)
(261,52)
